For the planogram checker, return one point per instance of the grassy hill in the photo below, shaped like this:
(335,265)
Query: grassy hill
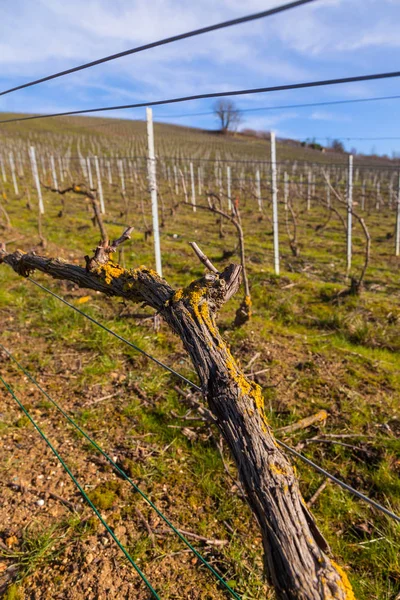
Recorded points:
(309,347)
(120,131)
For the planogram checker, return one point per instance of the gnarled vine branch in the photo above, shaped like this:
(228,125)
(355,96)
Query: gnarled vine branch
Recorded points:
(296,556)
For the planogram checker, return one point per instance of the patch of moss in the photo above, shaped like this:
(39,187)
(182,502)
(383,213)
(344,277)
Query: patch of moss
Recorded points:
(105,494)
(12,593)
(22,422)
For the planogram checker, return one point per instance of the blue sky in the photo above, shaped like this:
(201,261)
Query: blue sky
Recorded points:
(326,39)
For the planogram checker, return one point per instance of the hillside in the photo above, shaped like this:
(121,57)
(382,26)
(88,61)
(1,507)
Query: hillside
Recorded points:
(313,347)
(120,131)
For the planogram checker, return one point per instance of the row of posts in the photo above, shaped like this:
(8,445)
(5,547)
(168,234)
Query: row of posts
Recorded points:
(274,188)
(152,179)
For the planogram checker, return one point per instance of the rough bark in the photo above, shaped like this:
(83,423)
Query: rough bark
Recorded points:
(243,313)
(295,553)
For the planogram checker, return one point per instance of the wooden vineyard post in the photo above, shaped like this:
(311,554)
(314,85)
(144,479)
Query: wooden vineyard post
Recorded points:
(82,164)
(20,165)
(89,173)
(363,195)
(378,195)
(390,192)
(176,181)
(274,203)
(228,188)
(151,169)
(193,187)
(53,172)
(258,189)
(328,191)
(35,174)
(285,189)
(3,171)
(43,166)
(397,235)
(13,175)
(60,165)
(109,173)
(199,180)
(99,185)
(349,213)
(121,175)
(309,182)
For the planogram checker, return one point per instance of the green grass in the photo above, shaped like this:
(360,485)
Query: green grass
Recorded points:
(38,546)
(316,351)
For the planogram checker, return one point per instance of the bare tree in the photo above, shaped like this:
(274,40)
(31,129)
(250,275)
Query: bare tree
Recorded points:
(337,146)
(296,556)
(227,114)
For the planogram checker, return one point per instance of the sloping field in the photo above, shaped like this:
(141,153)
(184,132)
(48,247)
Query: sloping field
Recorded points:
(309,347)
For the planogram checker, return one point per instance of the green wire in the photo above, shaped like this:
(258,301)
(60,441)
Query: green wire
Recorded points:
(126,477)
(110,531)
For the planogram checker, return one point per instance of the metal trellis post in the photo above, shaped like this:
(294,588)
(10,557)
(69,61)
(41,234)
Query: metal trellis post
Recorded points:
(35,174)
(274,203)
(349,212)
(151,168)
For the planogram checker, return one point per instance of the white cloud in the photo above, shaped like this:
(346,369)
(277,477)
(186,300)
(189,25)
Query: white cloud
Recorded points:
(322,115)
(314,41)
(266,123)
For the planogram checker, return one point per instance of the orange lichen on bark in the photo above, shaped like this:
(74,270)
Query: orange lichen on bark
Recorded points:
(178,295)
(110,271)
(196,294)
(248,388)
(344,584)
(278,470)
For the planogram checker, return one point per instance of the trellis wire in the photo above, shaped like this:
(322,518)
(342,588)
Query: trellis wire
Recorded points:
(123,474)
(339,482)
(122,339)
(224,94)
(197,388)
(81,490)
(175,38)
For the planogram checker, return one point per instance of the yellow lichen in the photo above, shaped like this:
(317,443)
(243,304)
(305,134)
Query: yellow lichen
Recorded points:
(178,295)
(195,294)
(344,584)
(277,470)
(110,271)
(248,388)
(207,318)
(196,297)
